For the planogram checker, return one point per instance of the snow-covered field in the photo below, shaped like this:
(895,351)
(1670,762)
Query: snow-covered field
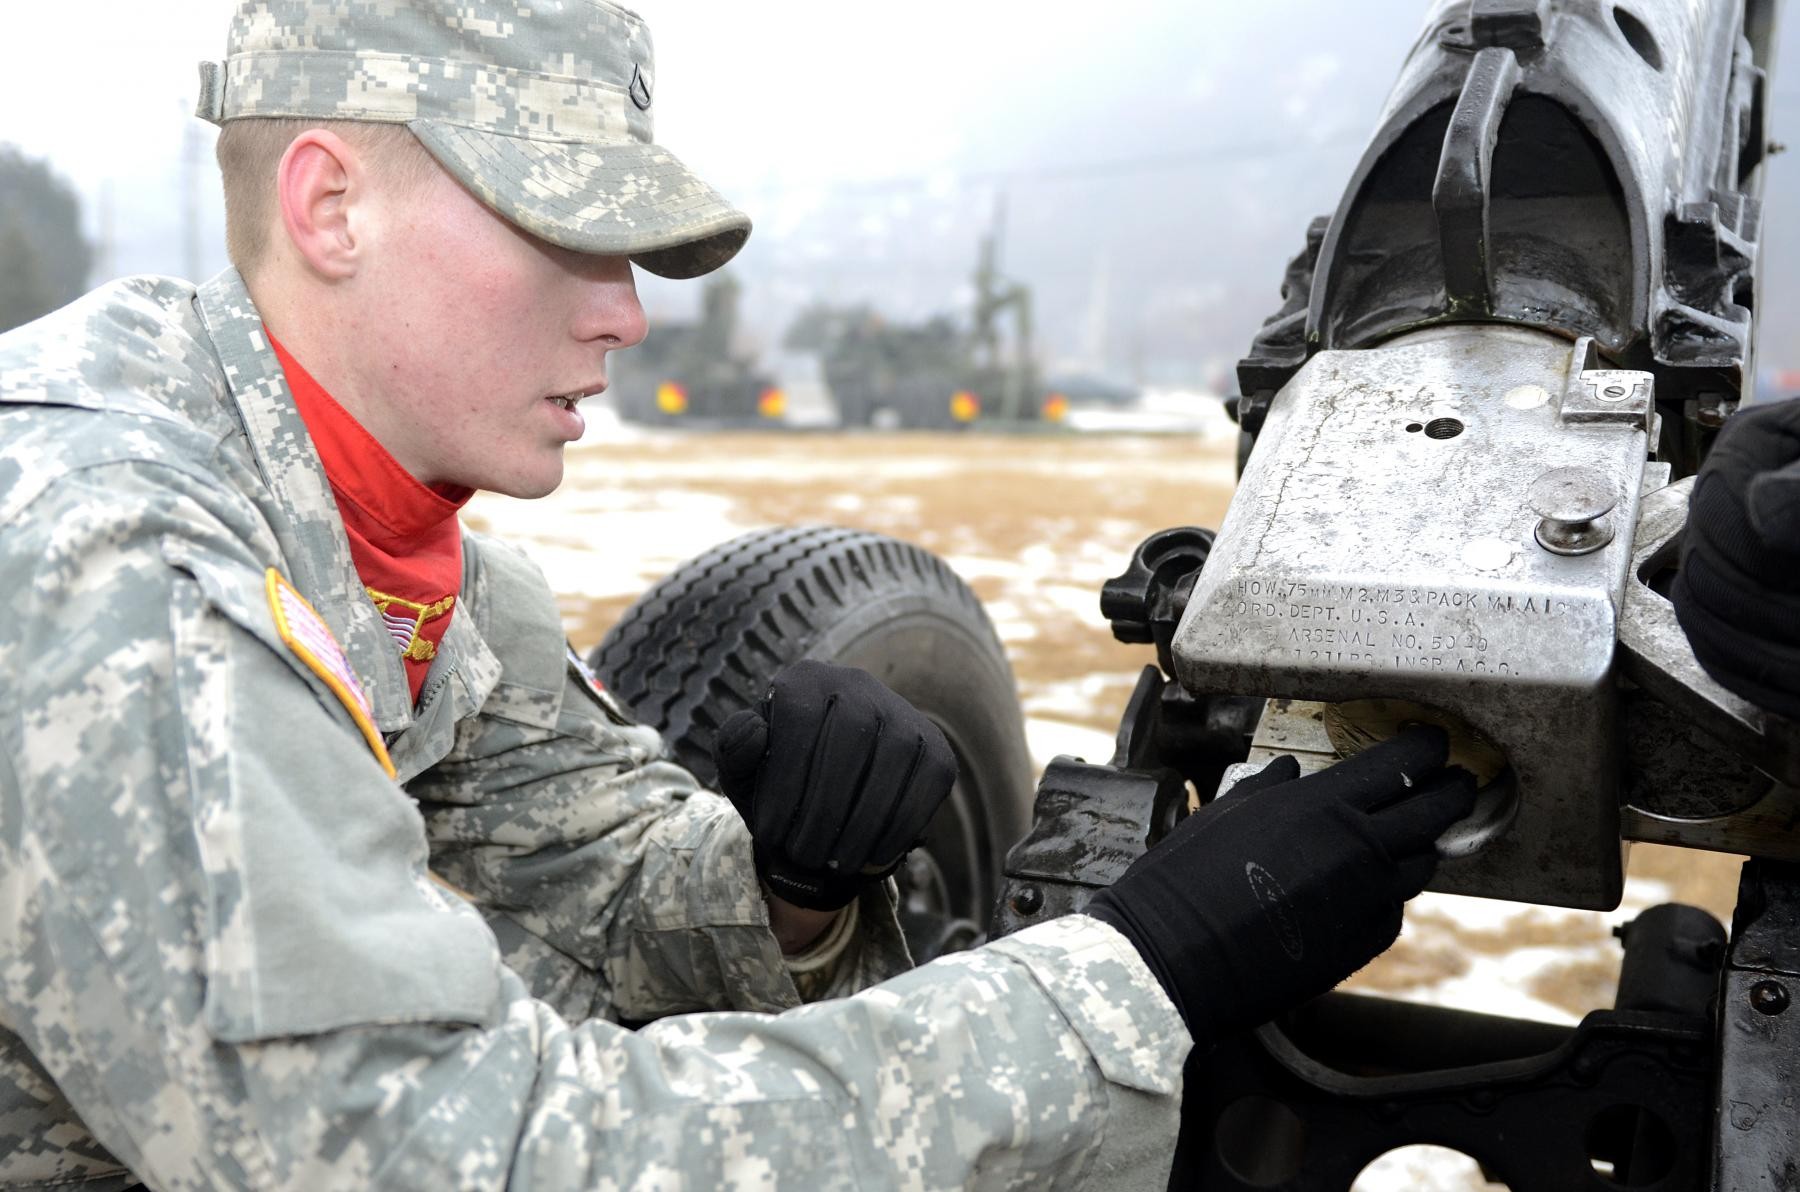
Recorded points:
(1035,524)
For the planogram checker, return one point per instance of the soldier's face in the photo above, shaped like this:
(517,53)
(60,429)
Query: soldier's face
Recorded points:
(491,336)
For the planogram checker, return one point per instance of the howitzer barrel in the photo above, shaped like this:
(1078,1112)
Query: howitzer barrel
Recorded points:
(1586,168)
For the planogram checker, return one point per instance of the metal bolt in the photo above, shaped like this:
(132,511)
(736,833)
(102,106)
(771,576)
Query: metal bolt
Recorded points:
(1028,901)
(1712,409)
(1572,505)
(1614,393)
(1768,997)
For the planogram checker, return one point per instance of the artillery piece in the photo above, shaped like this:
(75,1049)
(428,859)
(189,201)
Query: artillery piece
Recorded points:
(1468,437)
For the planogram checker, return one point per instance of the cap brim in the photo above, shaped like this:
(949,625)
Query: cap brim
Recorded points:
(630,199)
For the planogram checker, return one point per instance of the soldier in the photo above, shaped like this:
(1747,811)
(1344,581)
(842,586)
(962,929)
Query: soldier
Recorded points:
(265,702)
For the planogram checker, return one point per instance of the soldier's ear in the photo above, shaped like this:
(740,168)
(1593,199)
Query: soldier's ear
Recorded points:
(321,183)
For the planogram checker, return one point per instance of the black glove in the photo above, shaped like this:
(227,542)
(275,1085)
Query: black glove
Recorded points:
(836,777)
(1737,593)
(1281,888)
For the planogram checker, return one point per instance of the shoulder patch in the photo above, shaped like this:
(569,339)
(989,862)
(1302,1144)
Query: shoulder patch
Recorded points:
(597,689)
(307,635)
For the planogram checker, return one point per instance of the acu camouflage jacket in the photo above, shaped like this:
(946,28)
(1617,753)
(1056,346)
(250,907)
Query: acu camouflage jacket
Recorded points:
(223,960)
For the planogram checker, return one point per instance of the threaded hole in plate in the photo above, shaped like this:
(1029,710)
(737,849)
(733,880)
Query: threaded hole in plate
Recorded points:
(1443,428)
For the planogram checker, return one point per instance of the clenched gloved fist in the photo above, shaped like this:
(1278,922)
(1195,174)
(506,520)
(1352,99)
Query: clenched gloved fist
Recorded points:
(836,776)
(1737,594)
(1279,889)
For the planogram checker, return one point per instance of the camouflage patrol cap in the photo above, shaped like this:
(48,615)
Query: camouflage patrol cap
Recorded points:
(540,107)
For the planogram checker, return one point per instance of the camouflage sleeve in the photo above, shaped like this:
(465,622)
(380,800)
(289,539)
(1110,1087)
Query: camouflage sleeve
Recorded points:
(1049,1062)
(223,946)
(617,885)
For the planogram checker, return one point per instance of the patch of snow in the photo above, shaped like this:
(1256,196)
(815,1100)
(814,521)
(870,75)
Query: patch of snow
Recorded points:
(1080,603)
(1080,699)
(1500,984)
(1158,411)
(1047,738)
(974,567)
(603,424)
(664,463)
(1040,558)
(609,542)
(1009,623)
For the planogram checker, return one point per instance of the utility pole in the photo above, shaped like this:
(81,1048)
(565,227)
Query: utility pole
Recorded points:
(1096,323)
(995,295)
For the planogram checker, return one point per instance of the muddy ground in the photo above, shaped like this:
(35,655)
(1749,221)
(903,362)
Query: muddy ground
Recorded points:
(1036,523)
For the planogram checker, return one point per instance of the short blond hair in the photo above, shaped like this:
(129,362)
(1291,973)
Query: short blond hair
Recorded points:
(250,151)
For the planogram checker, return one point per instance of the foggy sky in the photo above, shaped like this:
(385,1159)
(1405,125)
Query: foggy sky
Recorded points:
(1157,160)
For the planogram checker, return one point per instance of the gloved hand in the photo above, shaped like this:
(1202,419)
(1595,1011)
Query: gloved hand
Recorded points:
(1737,594)
(1279,889)
(836,776)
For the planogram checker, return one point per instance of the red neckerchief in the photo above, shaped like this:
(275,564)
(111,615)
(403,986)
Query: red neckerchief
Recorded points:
(404,536)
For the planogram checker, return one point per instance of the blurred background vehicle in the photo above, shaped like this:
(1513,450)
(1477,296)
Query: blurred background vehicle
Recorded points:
(942,373)
(696,374)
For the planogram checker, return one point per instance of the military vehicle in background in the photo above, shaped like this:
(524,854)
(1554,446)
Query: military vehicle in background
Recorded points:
(692,374)
(1092,389)
(934,374)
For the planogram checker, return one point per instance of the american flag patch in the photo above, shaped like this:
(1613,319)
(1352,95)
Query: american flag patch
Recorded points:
(612,706)
(307,635)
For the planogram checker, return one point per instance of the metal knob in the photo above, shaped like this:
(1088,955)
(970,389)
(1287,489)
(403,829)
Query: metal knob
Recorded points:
(1572,505)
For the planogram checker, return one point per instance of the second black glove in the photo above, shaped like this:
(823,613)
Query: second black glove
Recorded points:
(1278,890)
(836,776)
(1737,593)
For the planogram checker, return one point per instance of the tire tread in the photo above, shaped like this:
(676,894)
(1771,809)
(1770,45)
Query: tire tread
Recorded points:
(683,656)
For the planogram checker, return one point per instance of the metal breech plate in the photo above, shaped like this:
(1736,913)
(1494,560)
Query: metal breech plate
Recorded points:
(1447,519)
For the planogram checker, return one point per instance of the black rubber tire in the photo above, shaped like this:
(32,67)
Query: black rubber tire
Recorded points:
(706,640)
